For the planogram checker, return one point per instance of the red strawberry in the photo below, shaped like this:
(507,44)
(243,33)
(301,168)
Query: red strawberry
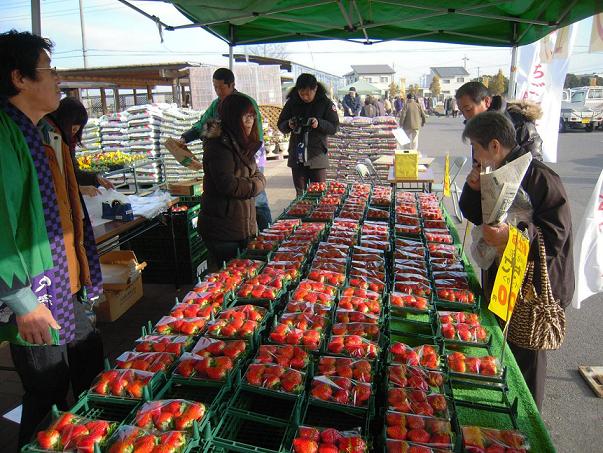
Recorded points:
(185,368)
(291,381)
(173,407)
(72,432)
(341,396)
(306,432)
(85,444)
(419,436)
(440,439)
(135,389)
(173,439)
(64,419)
(396,432)
(322,391)
(330,436)
(415,422)
(163,420)
(98,426)
(304,446)
(48,439)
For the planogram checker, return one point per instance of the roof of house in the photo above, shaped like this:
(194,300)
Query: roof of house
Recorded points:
(446,72)
(373,69)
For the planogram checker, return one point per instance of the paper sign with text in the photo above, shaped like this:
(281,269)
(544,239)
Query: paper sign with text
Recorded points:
(510,275)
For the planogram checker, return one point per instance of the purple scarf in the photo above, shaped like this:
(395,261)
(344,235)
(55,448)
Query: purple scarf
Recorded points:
(52,287)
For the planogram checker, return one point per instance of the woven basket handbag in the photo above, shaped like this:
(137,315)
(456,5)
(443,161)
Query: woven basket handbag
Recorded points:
(538,321)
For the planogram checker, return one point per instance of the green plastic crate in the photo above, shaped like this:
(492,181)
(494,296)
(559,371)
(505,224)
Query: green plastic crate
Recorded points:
(409,323)
(250,433)
(113,410)
(214,397)
(336,416)
(256,400)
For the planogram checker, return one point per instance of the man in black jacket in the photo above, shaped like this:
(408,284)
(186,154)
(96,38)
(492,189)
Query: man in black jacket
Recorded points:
(473,98)
(493,140)
(351,103)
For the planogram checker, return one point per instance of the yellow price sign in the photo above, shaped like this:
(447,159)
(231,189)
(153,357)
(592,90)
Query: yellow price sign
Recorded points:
(510,275)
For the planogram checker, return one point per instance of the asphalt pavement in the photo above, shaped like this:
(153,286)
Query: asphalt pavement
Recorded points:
(572,413)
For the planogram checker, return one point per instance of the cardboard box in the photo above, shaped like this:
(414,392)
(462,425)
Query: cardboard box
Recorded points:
(118,302)
(131,268)
(406,164)
(187,188)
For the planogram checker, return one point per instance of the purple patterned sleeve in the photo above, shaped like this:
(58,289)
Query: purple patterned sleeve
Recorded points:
(260,156)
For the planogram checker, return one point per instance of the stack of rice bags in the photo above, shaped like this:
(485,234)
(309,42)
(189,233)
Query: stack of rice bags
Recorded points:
(175,122)
(359,138)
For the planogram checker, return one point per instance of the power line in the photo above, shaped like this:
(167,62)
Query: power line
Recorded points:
(68,12)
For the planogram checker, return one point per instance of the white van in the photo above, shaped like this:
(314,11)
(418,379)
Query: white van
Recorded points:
(592,97)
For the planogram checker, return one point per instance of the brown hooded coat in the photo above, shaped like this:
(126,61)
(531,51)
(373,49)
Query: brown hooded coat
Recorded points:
(230,184)
(523,115)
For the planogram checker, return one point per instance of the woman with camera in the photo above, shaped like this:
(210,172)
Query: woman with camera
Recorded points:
(309,116)
(231,180)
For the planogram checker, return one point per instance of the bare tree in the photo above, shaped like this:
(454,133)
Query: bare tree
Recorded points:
(268,50)
(434,87)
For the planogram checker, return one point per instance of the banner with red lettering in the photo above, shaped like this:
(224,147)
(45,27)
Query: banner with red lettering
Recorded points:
(588,248)
(540,78)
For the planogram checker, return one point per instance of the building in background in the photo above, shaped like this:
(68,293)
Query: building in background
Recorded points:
(115,88)
(261,82)
(111,89)
(290,71)
(378,75)
(451,79)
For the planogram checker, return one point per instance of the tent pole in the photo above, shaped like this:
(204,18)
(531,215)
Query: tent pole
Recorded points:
(513,74)
(513,71)
(36,20)
(230,46)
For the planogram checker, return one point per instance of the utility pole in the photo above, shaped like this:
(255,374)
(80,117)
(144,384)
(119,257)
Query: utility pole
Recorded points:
(465,60)
(478,72)
(36,21)
(84,50)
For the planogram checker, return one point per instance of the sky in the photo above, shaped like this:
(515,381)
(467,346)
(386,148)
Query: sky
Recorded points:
(117,35)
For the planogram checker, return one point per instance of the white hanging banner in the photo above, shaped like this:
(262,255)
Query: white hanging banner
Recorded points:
(596,34)
(588,248)
(540,77)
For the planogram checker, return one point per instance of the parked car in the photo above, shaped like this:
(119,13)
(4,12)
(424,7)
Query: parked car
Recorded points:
(581,108)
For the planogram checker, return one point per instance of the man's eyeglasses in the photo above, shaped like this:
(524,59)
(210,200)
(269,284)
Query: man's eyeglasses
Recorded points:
(53,71)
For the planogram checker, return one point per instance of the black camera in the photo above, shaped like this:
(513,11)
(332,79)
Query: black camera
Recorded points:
(300,124)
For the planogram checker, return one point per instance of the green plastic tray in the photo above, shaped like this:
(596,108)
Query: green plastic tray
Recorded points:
(336,417)
(249,433)
(255,400)
(110,409)
(215,398)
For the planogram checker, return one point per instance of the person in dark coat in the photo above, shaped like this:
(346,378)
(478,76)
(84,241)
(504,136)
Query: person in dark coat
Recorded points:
(398,105)
(231,180)
(351,103)
(309,116)
(71,118)
(473,98)
(379,105)
(493,139)
(369,110)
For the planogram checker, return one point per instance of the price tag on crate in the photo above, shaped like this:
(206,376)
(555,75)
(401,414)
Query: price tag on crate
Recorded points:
(510,275)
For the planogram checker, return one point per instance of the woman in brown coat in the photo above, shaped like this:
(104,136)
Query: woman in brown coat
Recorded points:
(231,180)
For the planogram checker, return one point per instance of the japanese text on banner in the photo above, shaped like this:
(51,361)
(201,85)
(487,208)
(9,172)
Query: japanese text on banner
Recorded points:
(510,275)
